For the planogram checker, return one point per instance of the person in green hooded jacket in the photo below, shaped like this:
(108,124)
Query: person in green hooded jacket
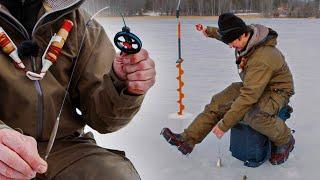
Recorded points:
(266,87)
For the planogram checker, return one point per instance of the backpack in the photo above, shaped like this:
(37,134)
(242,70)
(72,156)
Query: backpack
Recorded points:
(250,146)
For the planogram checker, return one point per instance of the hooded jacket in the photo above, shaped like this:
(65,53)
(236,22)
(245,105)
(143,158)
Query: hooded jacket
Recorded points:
(33,106)
(265,70)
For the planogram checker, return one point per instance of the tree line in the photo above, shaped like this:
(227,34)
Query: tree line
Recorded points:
(267,8)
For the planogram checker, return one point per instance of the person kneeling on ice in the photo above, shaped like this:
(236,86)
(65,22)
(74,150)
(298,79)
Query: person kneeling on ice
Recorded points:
(266,87)
(108,88)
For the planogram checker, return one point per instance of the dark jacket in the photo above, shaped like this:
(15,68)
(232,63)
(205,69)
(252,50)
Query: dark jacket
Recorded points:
(33,106)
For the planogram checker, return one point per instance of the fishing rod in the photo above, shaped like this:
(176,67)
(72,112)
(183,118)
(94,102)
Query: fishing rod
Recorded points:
(124,40)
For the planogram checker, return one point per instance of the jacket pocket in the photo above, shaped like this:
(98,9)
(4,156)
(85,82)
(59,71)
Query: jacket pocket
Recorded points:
(271,103)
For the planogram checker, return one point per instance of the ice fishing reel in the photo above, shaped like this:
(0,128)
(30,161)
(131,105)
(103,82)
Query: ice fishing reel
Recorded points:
(127,42)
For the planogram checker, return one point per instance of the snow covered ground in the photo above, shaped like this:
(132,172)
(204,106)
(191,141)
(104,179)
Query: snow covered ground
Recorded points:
(209,67)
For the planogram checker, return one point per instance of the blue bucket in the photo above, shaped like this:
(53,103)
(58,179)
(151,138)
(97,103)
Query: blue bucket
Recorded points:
(250,146)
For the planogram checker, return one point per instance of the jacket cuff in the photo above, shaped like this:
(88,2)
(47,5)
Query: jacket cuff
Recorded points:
(213,32)
(223,126)
(119,89)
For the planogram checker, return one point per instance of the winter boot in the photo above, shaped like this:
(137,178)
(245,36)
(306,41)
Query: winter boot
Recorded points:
(177,140)
(279,154)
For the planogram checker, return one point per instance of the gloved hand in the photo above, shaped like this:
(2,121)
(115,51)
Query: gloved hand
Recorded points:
(19,158)
(138,70)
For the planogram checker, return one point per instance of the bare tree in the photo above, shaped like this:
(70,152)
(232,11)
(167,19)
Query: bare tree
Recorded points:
(269,8)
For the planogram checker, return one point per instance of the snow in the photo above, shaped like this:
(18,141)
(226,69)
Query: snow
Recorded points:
(152,13)
(209,67)
(248,14)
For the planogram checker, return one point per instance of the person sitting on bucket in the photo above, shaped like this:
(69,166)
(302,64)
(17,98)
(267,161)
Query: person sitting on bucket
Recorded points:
(108,88)
(266,87)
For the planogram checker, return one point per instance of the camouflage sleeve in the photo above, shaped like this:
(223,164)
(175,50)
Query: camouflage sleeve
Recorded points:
(255,81)
(102,98)
(213,33)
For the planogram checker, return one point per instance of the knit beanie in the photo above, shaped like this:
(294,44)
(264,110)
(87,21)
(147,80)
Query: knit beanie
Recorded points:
(231,27)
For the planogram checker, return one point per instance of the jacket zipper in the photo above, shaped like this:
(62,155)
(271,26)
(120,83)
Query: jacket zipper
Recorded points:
(39,108)
(37,83)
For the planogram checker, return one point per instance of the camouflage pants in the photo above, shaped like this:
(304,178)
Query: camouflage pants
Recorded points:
(262,116)
(79,158)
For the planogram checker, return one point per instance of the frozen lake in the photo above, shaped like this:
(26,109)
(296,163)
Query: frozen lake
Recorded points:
(209,67)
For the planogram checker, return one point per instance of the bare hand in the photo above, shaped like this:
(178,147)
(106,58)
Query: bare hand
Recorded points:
(218,132)
(138,70)
(19,158)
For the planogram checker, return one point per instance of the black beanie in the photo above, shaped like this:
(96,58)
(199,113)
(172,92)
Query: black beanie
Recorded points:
(231,27)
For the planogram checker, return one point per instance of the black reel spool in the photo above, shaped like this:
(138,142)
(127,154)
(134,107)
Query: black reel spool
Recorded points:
(127,42)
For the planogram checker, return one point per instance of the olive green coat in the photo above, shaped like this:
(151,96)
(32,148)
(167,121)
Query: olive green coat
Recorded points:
(32,106)
(265,70)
